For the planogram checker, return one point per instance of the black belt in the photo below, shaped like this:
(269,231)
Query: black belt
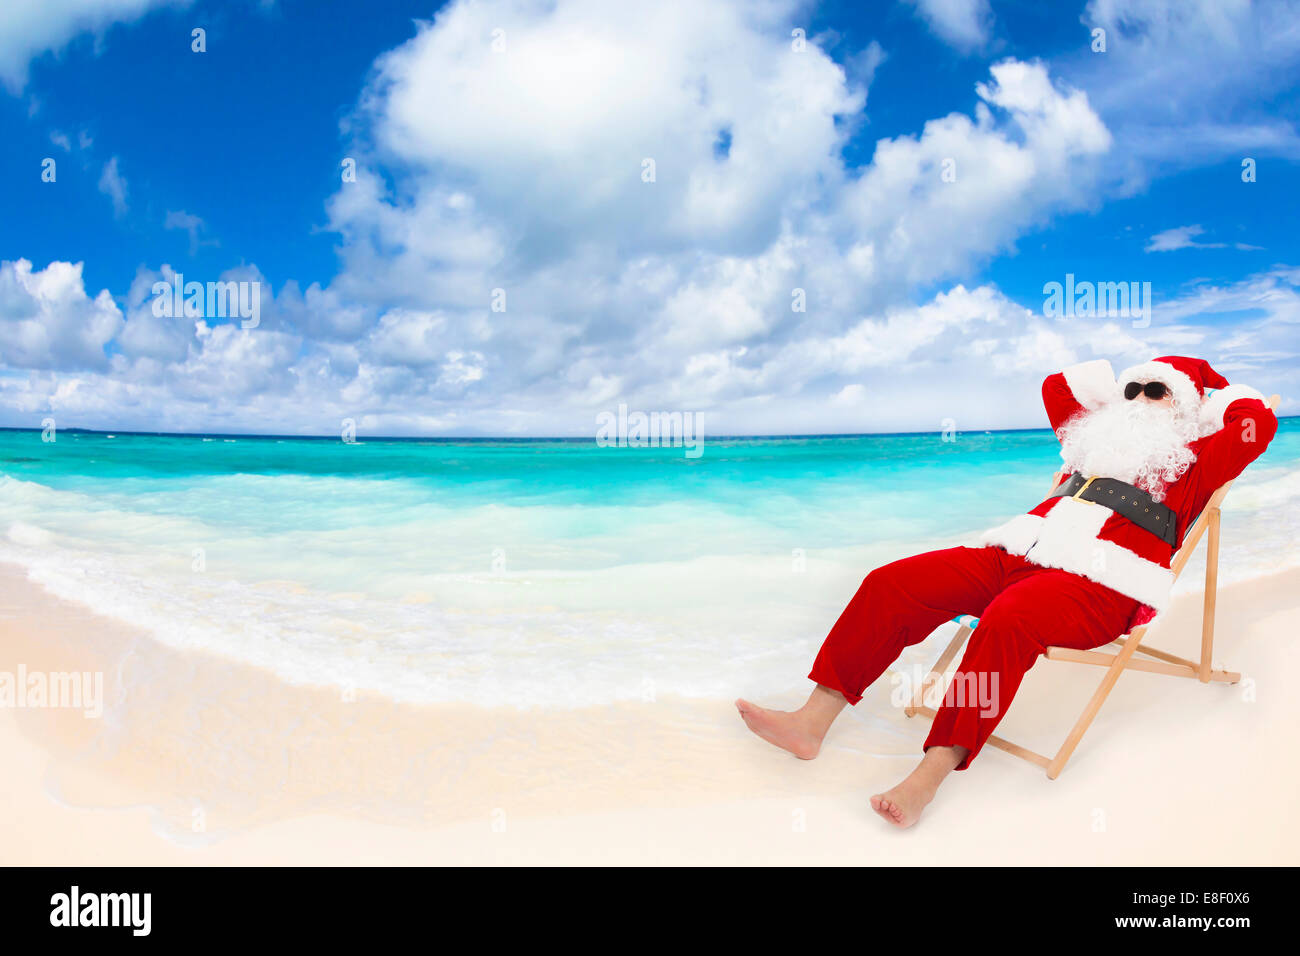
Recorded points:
(1126,500)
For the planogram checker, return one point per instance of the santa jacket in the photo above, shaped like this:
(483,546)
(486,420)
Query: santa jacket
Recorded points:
(1093,541)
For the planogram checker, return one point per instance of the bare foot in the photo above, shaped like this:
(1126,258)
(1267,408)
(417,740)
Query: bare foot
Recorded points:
(902,805)
(785,729)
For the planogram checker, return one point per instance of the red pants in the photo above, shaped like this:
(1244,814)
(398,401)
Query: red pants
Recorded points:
(1023,608)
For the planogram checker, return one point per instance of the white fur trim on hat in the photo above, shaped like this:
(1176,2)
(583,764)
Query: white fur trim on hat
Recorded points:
(1216,405)
(1092,383)
(1184,389)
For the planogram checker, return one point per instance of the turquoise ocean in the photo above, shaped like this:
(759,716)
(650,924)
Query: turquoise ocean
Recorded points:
(529,573)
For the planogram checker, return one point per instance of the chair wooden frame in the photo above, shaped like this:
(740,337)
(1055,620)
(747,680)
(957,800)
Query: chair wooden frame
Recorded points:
(1160,662)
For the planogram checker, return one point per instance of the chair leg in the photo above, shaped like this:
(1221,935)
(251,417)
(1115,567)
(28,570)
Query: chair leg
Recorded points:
(1211,593)
(936,672)
(1098,698)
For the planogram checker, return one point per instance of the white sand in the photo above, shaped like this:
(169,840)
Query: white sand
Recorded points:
(200,761)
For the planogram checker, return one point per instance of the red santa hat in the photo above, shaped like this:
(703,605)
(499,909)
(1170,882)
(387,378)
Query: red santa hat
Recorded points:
(1187,378)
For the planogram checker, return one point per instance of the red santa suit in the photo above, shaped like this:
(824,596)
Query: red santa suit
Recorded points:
(1068,573)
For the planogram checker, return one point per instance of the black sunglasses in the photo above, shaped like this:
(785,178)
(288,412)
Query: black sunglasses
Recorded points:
(1154,390)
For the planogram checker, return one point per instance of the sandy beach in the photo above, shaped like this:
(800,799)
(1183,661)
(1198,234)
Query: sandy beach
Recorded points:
(200,761)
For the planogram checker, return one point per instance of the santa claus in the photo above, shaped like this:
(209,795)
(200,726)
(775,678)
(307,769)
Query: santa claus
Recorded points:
(1142,455)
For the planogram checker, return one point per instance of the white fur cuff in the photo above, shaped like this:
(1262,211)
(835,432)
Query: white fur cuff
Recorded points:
(1092,383)
(1216,406)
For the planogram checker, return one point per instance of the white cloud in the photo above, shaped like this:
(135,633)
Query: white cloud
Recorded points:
(1183,82)
(550,133)
(963,24)
(1003,179)
(1180,237)
(191,225)
(409,338)
(521,170)
(29,29)
(113,185)
(901,368)
(1184,237)
(48,322)
(680,289)
(163,339)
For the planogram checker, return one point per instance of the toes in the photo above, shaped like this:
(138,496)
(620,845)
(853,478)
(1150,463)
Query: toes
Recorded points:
(891,810)
(888,809)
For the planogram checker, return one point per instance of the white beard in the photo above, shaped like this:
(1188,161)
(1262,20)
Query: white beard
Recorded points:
(1137,442)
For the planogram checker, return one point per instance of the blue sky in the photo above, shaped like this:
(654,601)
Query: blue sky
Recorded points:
(514,160)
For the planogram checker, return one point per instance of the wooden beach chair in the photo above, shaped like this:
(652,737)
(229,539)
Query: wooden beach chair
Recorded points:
(1159,662)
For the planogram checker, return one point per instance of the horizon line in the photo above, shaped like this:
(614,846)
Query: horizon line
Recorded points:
(513,438)
(488,438)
